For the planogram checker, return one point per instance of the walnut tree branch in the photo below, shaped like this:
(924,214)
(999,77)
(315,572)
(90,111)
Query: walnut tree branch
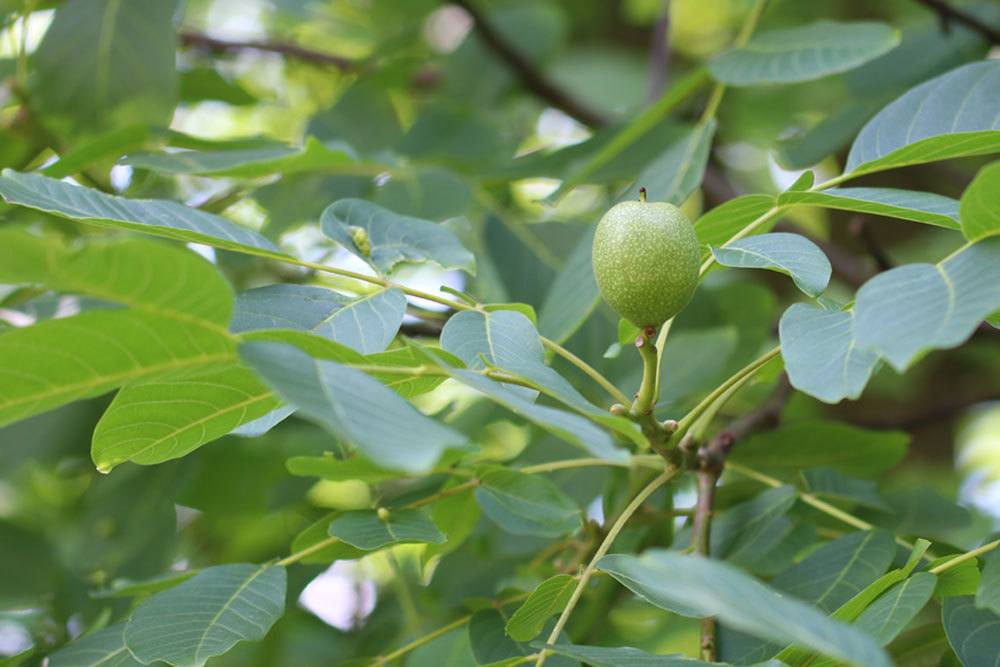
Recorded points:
(205,42)
(710,460)
(659,53)
(529,75)
(947,13)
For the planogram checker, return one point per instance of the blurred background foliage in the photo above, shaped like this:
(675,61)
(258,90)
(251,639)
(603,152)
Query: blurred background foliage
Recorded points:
(447,131)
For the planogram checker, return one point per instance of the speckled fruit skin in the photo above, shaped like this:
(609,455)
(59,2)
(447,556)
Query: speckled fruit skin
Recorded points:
(646,259)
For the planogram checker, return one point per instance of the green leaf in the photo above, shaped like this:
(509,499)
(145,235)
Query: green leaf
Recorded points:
(158,217)
(979,211)
(820,353)
(366,530)
(971,632)
(158,420)
(570,427)
(526,504)
(29,569)
(720,224)
(963,579)
(803,53)
(491,645)
(626,656)
(103,648)
(129,588)
(451,648)
(353,406)
(96,149)
(895,608)
(432,193)
(925,207)
(500,338)
(207,615)
(338,470)
(853,608)
(747,531)
(409,386)
(950,116)
(791,254)
(573,295)
(549,598)
(712,588)
(678,171)
(525,309)
(549,382)
(837,571)
(988,593)
(904,312)
(199,84)
(317,532)
(106,63)
(811,146)
(384,238)
(884,619)
(367,324)
(816,443)
(829,483)
(60,361)
(247,162)
(918,510)
(314,346)
(508,341)
(153,277)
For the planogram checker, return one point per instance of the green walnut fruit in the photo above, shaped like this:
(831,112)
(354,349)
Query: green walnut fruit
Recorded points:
(646,259)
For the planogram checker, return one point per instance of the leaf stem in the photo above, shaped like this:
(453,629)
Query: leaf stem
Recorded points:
(763,218)
(661,341)
(609,539)
(587,369)
(431,636)
(719,90)
(813,501)
(968,555)
(735,380)
(420,641)
(552,466)
(567,464)
(645,399)
(637,128)
(430,371)
(374,280)
(457,305)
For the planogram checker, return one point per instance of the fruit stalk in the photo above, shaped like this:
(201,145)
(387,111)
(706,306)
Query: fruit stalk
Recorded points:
(646,397)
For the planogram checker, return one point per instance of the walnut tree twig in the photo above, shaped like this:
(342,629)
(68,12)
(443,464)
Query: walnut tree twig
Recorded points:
(947,14)
(530,76)
(659,53)
(710,460)
(198,40)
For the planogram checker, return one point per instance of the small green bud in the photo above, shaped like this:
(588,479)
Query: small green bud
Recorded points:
(360,237)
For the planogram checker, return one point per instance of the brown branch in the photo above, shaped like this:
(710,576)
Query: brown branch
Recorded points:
(701,535)
(198,40)
(711,459)
(859,228)
(421,329)
(941,408)
(948,14)
(529,75)
(659,53)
